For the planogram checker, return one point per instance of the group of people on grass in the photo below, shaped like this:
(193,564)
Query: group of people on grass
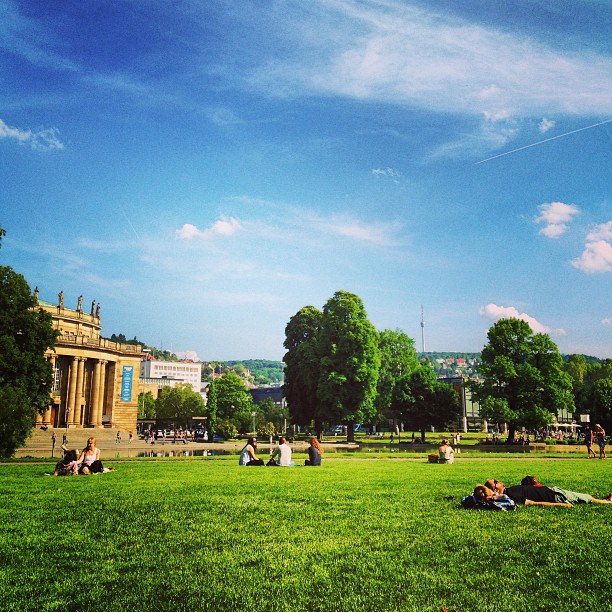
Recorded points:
(85,462)
(248,455)
(495,495)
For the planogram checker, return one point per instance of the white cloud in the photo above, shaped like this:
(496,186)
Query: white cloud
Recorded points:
(396,52)
(221,227)
(555,216)
(495,313)
(42,140)
(545,125)
(359,231)
(376,233)
(193,355)
(387,173)
(597,254)
(607,322)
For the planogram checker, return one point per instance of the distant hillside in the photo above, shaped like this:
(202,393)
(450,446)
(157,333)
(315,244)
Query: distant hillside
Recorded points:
(262,371)
(447,363)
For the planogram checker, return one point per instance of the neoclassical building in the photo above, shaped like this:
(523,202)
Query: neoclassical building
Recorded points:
(96,381)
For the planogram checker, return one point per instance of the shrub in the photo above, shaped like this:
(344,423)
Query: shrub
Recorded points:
(227,430)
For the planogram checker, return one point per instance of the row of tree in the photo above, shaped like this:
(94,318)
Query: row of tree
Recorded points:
(340,369)
(229,409)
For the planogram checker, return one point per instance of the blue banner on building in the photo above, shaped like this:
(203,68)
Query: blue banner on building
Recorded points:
(126,383)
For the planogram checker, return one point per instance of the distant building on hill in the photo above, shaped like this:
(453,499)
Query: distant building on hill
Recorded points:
(156,374)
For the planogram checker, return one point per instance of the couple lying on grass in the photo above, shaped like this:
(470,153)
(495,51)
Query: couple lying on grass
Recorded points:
(87,462)
(494,495)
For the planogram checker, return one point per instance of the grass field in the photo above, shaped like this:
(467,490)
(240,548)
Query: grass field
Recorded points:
(355,534)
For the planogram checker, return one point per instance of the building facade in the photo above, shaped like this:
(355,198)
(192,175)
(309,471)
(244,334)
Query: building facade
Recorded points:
(170,373)
(95,381)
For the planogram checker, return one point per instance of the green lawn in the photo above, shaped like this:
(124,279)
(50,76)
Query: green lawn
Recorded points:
(355,534)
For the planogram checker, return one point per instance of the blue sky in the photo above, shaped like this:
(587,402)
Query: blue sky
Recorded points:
(205,169)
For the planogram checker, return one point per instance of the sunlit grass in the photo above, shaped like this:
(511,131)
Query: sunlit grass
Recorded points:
(351,535)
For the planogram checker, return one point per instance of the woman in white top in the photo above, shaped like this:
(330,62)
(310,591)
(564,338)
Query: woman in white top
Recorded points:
(283,452)
(248,455)
(447,454)
(89,459)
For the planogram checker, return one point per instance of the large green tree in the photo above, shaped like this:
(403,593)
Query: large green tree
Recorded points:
(146,406)
(229,401)
(302,365)
(522,381)
(180,402)
(25,375)
(422,401)
(398,359)
(601,395)
(350,361)
(591,383)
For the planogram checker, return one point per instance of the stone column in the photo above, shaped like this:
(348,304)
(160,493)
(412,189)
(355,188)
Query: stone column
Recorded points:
(72,389)
(102,388)
(95,393)
(78,409)
(47,413)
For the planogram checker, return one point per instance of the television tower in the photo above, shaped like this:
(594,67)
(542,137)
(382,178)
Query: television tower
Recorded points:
(422,330)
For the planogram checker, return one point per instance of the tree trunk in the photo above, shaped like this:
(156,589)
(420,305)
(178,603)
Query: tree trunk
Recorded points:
(318,425)
(422,435)
(511,432)
(350,432)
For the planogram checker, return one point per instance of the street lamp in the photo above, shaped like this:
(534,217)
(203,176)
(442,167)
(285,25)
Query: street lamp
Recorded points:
(253,415)
(67,413)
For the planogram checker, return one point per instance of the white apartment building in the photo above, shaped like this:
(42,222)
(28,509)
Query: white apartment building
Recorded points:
(173,372)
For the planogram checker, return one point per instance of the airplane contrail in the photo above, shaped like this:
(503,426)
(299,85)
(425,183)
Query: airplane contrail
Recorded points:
(130,224)
(535,144)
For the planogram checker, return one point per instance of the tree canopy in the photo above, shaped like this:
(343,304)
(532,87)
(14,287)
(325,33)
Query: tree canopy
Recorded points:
(522,381)
(350,361)
(398,359)
(26,376)
(229,401)
(302,362)
(180,402)
(423,401)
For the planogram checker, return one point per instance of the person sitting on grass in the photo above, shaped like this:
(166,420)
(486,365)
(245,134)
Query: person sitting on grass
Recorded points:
(69,465)
(248,455)
(543,496)
(447,454)
(283,452)
(315,452)
(89,459)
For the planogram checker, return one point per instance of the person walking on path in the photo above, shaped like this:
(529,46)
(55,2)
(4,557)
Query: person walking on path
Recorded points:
(588,442)
(600,436)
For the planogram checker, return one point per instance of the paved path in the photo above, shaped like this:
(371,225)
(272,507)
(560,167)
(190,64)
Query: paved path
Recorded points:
(40,444)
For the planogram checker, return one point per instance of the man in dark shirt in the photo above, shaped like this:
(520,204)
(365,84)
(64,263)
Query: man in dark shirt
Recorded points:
(543,496)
